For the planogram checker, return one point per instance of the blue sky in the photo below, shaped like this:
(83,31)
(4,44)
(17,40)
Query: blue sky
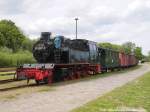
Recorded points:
(115,21)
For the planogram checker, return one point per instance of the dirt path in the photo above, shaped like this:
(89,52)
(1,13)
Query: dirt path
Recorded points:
(70,96)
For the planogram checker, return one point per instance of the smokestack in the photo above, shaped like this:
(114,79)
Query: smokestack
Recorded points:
(45,36)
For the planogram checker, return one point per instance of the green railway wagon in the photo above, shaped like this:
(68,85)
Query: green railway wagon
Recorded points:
(108,59)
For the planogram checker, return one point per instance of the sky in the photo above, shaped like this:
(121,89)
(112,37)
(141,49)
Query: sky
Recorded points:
(115,21)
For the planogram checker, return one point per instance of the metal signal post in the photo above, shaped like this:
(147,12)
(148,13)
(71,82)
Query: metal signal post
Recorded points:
(76,19)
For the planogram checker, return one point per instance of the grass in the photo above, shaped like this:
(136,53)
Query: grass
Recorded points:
(134,95)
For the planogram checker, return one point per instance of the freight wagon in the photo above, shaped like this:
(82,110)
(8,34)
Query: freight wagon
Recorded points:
(108,59)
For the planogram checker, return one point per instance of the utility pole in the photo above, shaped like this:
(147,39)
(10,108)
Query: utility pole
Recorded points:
(76,19)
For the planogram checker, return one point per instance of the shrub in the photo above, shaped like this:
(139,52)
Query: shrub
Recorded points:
(8,58)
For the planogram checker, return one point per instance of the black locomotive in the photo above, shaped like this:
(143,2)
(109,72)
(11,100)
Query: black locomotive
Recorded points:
(63,50)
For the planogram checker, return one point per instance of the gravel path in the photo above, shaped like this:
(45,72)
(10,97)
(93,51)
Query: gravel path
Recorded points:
(68,97)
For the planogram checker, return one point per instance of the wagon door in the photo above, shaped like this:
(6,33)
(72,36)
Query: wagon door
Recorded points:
(101,56)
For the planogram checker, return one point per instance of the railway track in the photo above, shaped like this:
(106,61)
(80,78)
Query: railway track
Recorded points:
(7,69)
(13,84)
(7,75)
(7,81)
(16,87)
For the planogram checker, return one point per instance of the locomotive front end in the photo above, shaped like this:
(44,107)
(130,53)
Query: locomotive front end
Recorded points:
(43,49)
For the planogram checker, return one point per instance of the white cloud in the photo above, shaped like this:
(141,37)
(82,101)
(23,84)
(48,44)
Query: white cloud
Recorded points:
(10,7)
(115,21)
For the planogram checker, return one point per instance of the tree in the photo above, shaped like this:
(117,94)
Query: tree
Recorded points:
(138,53)
(129,47)
(2,40)
(10,35)
(111,46)
(148,56)
(27,44)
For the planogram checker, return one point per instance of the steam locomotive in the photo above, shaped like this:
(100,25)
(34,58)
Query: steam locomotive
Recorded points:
(63,50)
(61,58)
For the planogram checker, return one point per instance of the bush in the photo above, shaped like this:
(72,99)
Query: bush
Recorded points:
(8,58)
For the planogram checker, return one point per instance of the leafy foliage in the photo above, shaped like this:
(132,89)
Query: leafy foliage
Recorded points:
(111,46)
(27,44)
(9,58)
(129,47)
(147,58)
(15,47)
(2,40)
(10,35)
(138,53)
(149,55)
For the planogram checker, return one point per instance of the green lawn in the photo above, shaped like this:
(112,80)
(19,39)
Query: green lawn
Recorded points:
(134,95)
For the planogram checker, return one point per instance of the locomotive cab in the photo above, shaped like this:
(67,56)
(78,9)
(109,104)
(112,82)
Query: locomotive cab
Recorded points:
(93,52)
